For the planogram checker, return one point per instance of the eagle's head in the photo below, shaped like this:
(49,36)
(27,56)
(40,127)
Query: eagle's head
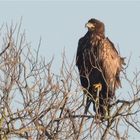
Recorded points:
(95,25)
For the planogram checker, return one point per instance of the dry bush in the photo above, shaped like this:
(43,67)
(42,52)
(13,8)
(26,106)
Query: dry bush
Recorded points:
(38,104)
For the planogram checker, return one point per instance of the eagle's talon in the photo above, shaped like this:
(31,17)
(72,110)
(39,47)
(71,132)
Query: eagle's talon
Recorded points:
(97,87)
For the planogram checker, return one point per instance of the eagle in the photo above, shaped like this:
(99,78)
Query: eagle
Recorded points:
(99,65)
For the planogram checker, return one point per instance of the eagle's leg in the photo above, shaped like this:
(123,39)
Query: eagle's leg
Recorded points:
(97,88)
(101,105)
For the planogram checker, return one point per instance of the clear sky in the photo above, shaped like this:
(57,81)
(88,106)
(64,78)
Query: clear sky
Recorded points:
(60,24)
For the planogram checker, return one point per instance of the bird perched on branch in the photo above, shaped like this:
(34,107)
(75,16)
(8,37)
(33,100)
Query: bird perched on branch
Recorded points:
(99,65)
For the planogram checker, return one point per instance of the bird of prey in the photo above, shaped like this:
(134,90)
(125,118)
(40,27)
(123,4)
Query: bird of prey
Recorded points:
(99,65)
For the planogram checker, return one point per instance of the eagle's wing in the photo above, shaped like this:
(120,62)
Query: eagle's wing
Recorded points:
(79,50)
(110,63)
(82,45)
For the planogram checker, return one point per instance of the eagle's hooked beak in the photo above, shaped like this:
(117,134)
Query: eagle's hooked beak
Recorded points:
(89,25)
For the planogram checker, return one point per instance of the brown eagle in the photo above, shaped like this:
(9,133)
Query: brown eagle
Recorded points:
(99,66)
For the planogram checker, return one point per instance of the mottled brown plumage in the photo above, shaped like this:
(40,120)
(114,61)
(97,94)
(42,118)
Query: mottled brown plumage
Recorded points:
(98,62)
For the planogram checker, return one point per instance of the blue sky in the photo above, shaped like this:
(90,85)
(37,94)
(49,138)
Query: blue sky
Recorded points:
(60,24)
